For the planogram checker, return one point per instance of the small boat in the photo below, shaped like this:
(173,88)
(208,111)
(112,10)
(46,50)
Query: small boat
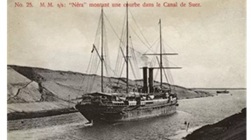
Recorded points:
(222,91)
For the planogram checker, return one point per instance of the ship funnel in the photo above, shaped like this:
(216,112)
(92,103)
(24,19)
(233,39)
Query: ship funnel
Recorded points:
(151,80)
(145,88)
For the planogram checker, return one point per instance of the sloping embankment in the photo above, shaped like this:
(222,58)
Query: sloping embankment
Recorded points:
(231,128)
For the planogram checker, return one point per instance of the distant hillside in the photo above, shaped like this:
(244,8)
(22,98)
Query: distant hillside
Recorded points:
(66,84)
(37,89)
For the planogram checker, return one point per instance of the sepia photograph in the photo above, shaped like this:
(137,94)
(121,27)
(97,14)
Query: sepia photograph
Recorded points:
(126,70)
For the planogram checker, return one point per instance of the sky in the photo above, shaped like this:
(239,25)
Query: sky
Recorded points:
(210,40)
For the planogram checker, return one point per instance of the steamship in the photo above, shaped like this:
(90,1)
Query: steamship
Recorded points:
(147,101)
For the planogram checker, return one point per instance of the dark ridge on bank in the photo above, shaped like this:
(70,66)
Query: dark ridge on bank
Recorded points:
(230,128)
(37,114)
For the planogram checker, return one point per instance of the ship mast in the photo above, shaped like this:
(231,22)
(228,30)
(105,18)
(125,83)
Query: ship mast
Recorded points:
(127,57)
(160,55)
(102,50)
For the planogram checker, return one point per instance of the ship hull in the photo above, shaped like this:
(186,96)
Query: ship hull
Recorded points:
(124,113)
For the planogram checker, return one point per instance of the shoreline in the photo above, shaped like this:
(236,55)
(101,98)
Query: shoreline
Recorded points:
(230,128)
(180,134)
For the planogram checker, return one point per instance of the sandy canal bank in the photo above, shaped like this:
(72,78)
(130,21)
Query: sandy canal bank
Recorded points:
(230,128)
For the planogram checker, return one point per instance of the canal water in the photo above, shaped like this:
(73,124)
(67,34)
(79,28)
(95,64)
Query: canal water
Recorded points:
(198,112)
